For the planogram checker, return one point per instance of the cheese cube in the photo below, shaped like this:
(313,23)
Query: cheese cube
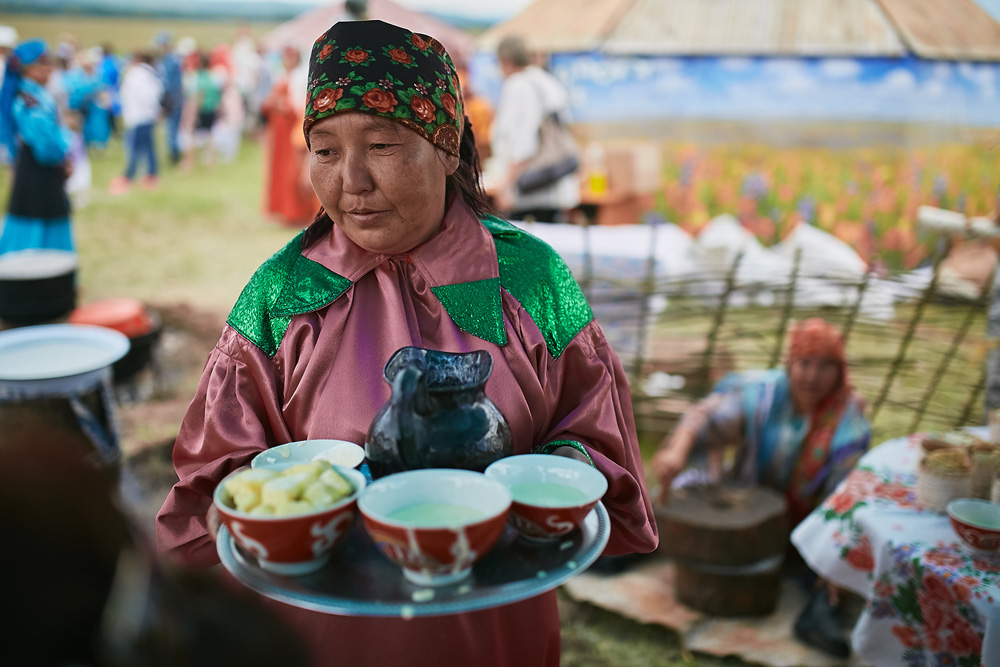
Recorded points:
(293,507)
(339,486)
(263,510)
(313,469)
(284,489)
(247,499)
(249,479)
(320,495)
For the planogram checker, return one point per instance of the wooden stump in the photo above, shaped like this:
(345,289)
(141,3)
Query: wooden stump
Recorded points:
(729,544)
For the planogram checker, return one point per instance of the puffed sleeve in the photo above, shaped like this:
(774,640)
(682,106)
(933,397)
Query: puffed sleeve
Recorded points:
(40,129)
(235,414)
(592,406)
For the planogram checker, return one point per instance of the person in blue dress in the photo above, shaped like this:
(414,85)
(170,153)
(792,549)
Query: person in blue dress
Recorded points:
(88,95)
(38,215)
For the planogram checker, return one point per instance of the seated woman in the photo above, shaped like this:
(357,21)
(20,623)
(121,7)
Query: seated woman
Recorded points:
(405,253)
(801,429)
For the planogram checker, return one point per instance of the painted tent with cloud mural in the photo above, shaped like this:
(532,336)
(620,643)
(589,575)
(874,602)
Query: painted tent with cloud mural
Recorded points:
(847,114)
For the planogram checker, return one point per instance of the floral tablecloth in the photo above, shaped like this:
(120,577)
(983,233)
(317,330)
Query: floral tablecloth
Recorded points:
(930,600)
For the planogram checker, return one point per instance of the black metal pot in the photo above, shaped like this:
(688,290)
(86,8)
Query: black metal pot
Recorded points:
(139,355)
(37,285)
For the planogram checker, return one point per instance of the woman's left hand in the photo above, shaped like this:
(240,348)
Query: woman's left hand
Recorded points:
(571,453)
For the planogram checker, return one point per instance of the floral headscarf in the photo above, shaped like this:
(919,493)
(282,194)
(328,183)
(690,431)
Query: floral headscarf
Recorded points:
(817,338)
(384,70)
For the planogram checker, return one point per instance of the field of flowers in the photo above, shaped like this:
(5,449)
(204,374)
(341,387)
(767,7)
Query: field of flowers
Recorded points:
(868,197)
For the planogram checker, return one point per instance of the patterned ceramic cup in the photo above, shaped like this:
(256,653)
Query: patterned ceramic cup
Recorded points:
(552,495)
(434,523)
(292,545)
(977,522)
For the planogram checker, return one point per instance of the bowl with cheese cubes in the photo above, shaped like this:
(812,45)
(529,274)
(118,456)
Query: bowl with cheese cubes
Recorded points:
(291,518)
(552,495)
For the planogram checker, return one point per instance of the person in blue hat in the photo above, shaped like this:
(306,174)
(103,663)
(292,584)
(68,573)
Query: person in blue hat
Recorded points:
(38,215)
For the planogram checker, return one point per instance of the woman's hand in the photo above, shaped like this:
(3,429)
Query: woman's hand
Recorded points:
(667,464)
(213,520)
(571,453)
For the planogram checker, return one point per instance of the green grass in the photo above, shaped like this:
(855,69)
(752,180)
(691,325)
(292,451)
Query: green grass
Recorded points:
(124,33)
(196,239)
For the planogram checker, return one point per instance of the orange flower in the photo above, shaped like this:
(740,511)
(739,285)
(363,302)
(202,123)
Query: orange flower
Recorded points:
(324,53)
(327,98)
(448,102)
(400,56)
(356,56)
(424,108)
(419,42)
(379,100)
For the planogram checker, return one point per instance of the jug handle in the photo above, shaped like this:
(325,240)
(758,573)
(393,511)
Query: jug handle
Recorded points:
(404,389)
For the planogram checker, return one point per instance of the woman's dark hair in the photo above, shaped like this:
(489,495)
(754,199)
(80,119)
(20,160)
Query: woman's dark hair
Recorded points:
(467,182)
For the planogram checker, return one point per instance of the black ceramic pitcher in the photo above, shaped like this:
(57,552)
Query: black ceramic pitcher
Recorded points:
(438,415)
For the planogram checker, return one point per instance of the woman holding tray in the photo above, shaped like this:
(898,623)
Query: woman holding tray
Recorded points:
(405,253)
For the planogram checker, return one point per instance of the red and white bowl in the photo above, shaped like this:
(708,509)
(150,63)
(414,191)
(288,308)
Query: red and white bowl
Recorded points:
(292,545)
(441,552)
(977,522)
(545,519)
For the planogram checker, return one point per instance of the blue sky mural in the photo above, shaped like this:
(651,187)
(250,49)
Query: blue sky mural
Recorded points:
(612,88)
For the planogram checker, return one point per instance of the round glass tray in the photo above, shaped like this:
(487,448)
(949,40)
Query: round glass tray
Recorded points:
(360,581)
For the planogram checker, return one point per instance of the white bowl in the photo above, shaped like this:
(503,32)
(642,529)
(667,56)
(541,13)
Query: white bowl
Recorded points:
(337,452)
(538,512)
(435,553)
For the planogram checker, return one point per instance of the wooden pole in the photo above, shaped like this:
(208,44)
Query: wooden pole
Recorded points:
(786,311)
(852,316)
(950,354)
(648,287)
(720,315)
(911,329)
(973,398)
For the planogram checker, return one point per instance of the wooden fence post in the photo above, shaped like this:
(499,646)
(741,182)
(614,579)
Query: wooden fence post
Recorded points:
(852,316)
(786,311)
(720,314)
(973,399)
(950,354)
(908,336)
(648,287)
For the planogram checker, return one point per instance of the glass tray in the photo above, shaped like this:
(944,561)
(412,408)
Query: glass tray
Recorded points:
(360,581)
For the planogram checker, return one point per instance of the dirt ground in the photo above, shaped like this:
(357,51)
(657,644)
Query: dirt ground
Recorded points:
(152,406)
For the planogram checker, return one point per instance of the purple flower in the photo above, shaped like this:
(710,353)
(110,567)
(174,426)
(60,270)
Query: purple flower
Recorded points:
(385,83)
(882,609)
(344,81)
(944,660)
(754,185)
(422,89)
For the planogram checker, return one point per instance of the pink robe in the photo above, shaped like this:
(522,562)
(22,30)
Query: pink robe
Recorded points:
(325,381)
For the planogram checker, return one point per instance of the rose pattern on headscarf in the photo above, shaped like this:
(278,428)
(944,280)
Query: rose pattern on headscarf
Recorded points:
(400,56)
(423,108)
(357,56)
(327,98)
(380,100)
(390,72)
(325,53)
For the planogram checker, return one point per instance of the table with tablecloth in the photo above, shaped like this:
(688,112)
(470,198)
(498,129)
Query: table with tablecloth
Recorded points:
(930,600)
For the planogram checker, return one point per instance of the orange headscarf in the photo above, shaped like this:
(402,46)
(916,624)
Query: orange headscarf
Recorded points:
(818,339)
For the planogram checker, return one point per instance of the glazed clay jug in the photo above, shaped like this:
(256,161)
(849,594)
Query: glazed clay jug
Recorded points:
(438,415)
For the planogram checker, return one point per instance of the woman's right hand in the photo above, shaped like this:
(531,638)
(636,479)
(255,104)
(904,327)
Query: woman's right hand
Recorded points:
(668,463)
(213,520)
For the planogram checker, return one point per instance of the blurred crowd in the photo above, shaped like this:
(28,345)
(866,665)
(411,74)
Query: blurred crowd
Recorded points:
(206,98)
